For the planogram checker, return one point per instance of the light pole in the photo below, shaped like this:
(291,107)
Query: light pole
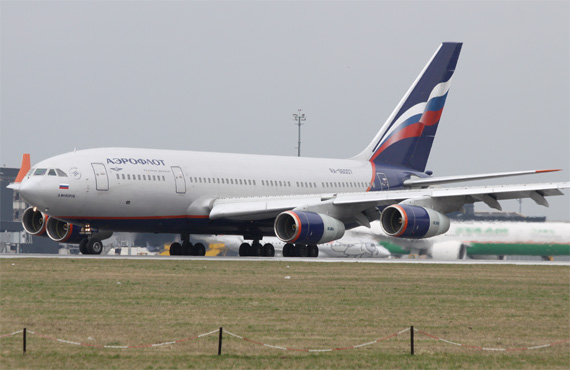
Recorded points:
(299,117)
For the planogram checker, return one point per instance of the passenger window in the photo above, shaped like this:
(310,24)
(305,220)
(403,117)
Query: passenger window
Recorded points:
(139,176)
(128,177)
(118,177)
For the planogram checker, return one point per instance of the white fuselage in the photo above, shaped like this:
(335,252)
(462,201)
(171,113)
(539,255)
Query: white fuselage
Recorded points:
(110,187)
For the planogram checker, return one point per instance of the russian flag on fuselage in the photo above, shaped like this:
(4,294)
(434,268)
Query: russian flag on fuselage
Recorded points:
(408,138)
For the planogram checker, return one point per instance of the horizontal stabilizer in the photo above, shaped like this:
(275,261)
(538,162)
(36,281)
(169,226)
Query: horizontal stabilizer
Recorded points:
(424,182)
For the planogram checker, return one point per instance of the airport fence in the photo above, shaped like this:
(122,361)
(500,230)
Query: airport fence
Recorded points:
(221,331)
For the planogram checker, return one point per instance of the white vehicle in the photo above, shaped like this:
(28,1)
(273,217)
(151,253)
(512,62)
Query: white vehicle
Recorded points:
(84,196)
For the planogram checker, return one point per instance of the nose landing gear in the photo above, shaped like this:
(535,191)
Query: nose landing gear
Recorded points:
(94,244)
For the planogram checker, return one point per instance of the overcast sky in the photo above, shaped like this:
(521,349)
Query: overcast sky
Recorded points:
(227,77)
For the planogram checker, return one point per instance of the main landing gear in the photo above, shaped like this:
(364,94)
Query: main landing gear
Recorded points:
(300,250)
(256,250)
(187,248)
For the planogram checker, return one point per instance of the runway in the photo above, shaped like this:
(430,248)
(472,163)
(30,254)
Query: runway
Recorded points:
(288,259)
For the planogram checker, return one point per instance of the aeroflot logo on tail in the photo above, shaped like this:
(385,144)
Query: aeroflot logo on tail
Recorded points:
(151,162)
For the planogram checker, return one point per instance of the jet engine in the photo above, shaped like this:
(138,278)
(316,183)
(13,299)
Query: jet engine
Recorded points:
(34,222)
(307,227)
(413,222)
(63,232)
(448,251)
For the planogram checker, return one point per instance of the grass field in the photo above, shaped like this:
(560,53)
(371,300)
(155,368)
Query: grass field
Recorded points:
(320,306)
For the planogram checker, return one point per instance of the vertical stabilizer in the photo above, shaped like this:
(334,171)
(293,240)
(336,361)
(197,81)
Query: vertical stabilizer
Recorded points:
(407,136)
(24,168)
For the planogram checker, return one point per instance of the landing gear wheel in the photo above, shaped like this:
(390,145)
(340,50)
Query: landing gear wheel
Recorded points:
(302,250)
(186,249)
(94,246)
(288,250)
(199,249)
(244,249)
(83,246)
(268,250)
(257,249)
(176,249)
(313,250)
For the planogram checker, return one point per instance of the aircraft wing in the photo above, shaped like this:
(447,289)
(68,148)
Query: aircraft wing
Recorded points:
(423,182)
(490,194)
(361,207)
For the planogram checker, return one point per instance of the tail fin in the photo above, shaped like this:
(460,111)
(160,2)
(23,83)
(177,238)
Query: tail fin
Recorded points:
(407,136)
(26,165)
(24,168)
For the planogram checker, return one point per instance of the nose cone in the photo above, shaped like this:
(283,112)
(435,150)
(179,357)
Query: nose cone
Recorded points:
(33,191)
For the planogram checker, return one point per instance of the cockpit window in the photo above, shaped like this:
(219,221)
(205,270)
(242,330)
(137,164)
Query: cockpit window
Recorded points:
(52,172)
(40,172)
(61,173)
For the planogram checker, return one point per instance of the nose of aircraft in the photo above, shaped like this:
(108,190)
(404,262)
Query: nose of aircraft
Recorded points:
(33,191)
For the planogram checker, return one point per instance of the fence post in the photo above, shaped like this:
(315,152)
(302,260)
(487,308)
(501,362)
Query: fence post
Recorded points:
(220,342)
(24,338)
(412,340)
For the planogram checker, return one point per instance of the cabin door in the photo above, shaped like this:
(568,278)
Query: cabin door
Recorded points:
(101,179)
(179,179)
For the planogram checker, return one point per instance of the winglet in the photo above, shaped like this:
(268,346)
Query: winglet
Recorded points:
(26,165)
(543,171)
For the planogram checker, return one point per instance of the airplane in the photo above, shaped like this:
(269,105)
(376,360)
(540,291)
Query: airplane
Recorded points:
(480,240)
(363,246)
(86,195)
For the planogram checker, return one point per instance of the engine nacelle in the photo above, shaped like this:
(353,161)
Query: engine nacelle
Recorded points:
(448,251)
(34,222)
(63,232)
(307,227)
(404,221)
